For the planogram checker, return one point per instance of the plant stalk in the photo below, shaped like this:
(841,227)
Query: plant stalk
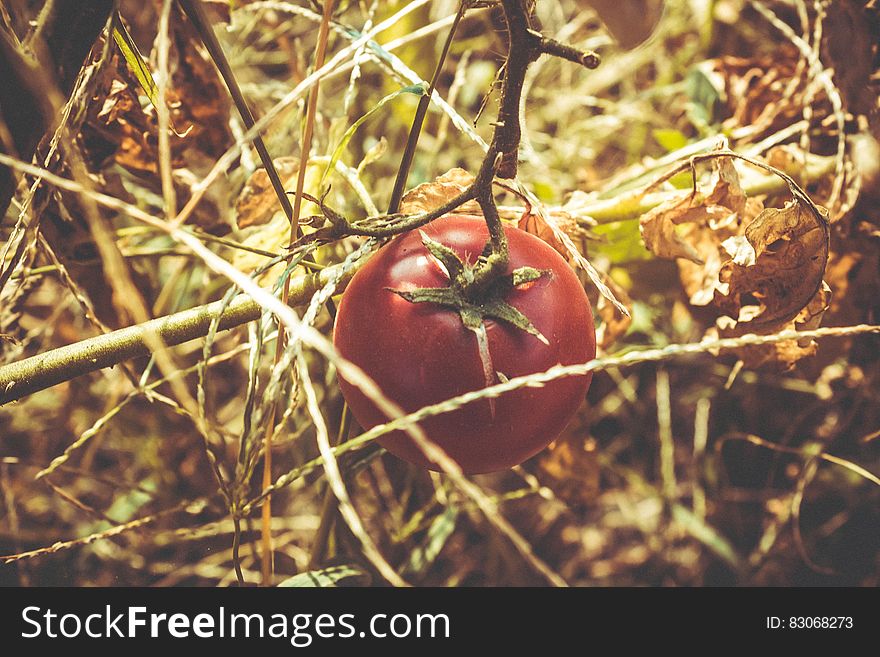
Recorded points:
(24,377)
(267,561)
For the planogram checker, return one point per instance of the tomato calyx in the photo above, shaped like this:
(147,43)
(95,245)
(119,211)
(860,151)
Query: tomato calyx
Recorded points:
(475,307)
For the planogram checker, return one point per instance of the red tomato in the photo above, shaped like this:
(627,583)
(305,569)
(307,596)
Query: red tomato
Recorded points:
(421,353)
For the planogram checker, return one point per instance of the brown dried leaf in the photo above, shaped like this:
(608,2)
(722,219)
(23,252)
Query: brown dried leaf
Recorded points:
(258,202)
(766,93)
(658,227)
(428,196)
(721,213)
(761,269)
(629,21)
(537,225)
(782,356)
(198,98)
(118,128)
(572,465)
(614,323)
(775,270)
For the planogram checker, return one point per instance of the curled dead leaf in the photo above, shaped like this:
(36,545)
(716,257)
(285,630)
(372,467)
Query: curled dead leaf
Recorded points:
(782,356)
(777,265)
(721,212)
(760,268)
(431,195)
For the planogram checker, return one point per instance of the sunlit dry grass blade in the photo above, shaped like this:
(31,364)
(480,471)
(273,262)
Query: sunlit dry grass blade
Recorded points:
(190,508)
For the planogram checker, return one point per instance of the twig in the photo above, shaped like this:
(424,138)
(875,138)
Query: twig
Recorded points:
(525,45)
(38,372)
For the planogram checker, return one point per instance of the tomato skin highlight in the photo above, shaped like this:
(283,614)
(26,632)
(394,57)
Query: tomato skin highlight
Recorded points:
(421,353)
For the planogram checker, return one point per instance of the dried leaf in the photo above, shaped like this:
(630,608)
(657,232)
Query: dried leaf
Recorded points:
(781,275)
(721,212)
(557,220)
(658,227)
(119,129)
(258,202)
(614,323)
(572,464)
(760,269)
(782,356)
(428,196)
(199,99)
(629,21)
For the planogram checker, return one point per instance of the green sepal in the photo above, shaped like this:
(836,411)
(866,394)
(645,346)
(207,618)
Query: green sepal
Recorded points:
(472,314)
(503,311)
(470,317)
(517,278)
(446,256)
(525,275)
(445,296)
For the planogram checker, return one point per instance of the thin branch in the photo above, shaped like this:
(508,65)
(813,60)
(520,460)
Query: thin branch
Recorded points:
(553,47)
(39,372)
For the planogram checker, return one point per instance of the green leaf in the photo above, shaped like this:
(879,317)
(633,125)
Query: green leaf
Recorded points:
(416,89)
(707,535)
(670,138)
(327,577)
(683,180)
(620,242)
(442,527)
(471,318)
(135,60)
(705,90)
